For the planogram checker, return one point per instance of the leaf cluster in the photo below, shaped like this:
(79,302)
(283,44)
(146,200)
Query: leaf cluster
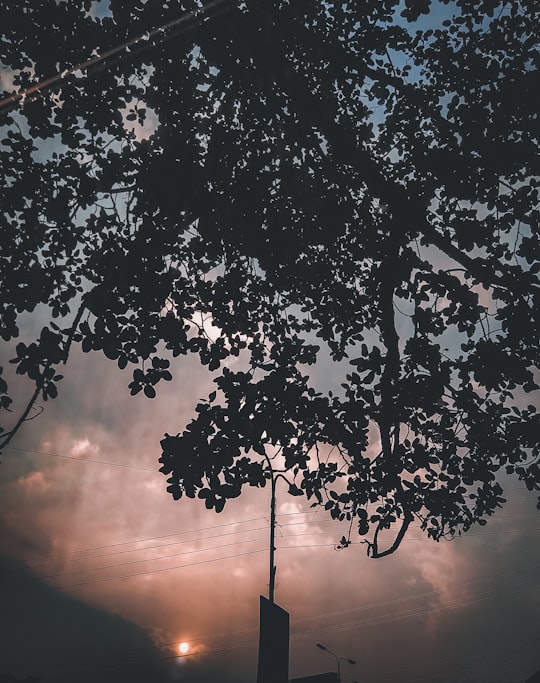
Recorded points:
(333,206)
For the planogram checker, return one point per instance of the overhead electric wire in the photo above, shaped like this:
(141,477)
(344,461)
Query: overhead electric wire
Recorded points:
(303,634)
(179,566)
(144,573)
(285,537)
(176,533)
(185,541)
(372,606)
(413,611)
(200,550)
(416,596)
(141,41)
(154,470)
(71,555)
(377,605)
(154,559)
(150,547)
(164,569)
(236,532)
(157,471)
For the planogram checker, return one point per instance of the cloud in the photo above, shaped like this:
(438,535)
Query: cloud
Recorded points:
(94,521)
(33,484)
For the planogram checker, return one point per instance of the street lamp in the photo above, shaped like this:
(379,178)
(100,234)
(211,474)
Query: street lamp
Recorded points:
(338,659)
(274,476)
(273,479)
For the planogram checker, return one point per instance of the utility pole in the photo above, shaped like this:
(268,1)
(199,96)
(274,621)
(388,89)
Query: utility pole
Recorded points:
(272,582)
(273,664)
(273,480)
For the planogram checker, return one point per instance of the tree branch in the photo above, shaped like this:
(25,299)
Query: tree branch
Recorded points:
(390,338)
(393,194)
(72,331)
(373,548)
(8,436)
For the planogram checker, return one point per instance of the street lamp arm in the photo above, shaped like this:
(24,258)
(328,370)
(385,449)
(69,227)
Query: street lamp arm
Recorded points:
(338,660)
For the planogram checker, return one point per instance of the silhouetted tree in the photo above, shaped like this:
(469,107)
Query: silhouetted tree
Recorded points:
(292,190)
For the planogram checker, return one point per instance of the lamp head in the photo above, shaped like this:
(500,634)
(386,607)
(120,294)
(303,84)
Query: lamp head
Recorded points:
(321,647)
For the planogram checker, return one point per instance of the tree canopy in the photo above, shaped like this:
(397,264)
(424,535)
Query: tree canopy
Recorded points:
(333,205)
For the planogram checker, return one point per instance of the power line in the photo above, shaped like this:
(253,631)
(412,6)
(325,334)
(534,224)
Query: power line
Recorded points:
(425,594)
(180,566)
(151,547)
(210,560)
(188,540)
(200,550)
(141,41)
(157,471)
(83,460)
(411,612)
(219,535)
(346,626)
(176,533)
(153,559)
(65,556)
(144,573)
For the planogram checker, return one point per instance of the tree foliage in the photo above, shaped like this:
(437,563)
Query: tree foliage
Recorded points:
(333,205)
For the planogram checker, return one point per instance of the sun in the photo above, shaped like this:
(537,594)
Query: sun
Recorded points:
(183,648)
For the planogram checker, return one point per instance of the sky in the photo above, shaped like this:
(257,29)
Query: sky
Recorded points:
(104,575)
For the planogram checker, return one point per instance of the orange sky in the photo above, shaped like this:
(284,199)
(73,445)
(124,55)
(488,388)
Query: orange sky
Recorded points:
(466,610)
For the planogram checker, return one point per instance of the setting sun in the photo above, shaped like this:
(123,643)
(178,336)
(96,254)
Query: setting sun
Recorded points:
(183,648)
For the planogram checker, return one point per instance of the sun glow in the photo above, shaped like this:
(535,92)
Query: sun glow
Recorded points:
(183,648)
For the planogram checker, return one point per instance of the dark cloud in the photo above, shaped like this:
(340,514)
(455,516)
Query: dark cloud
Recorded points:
(59,638)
